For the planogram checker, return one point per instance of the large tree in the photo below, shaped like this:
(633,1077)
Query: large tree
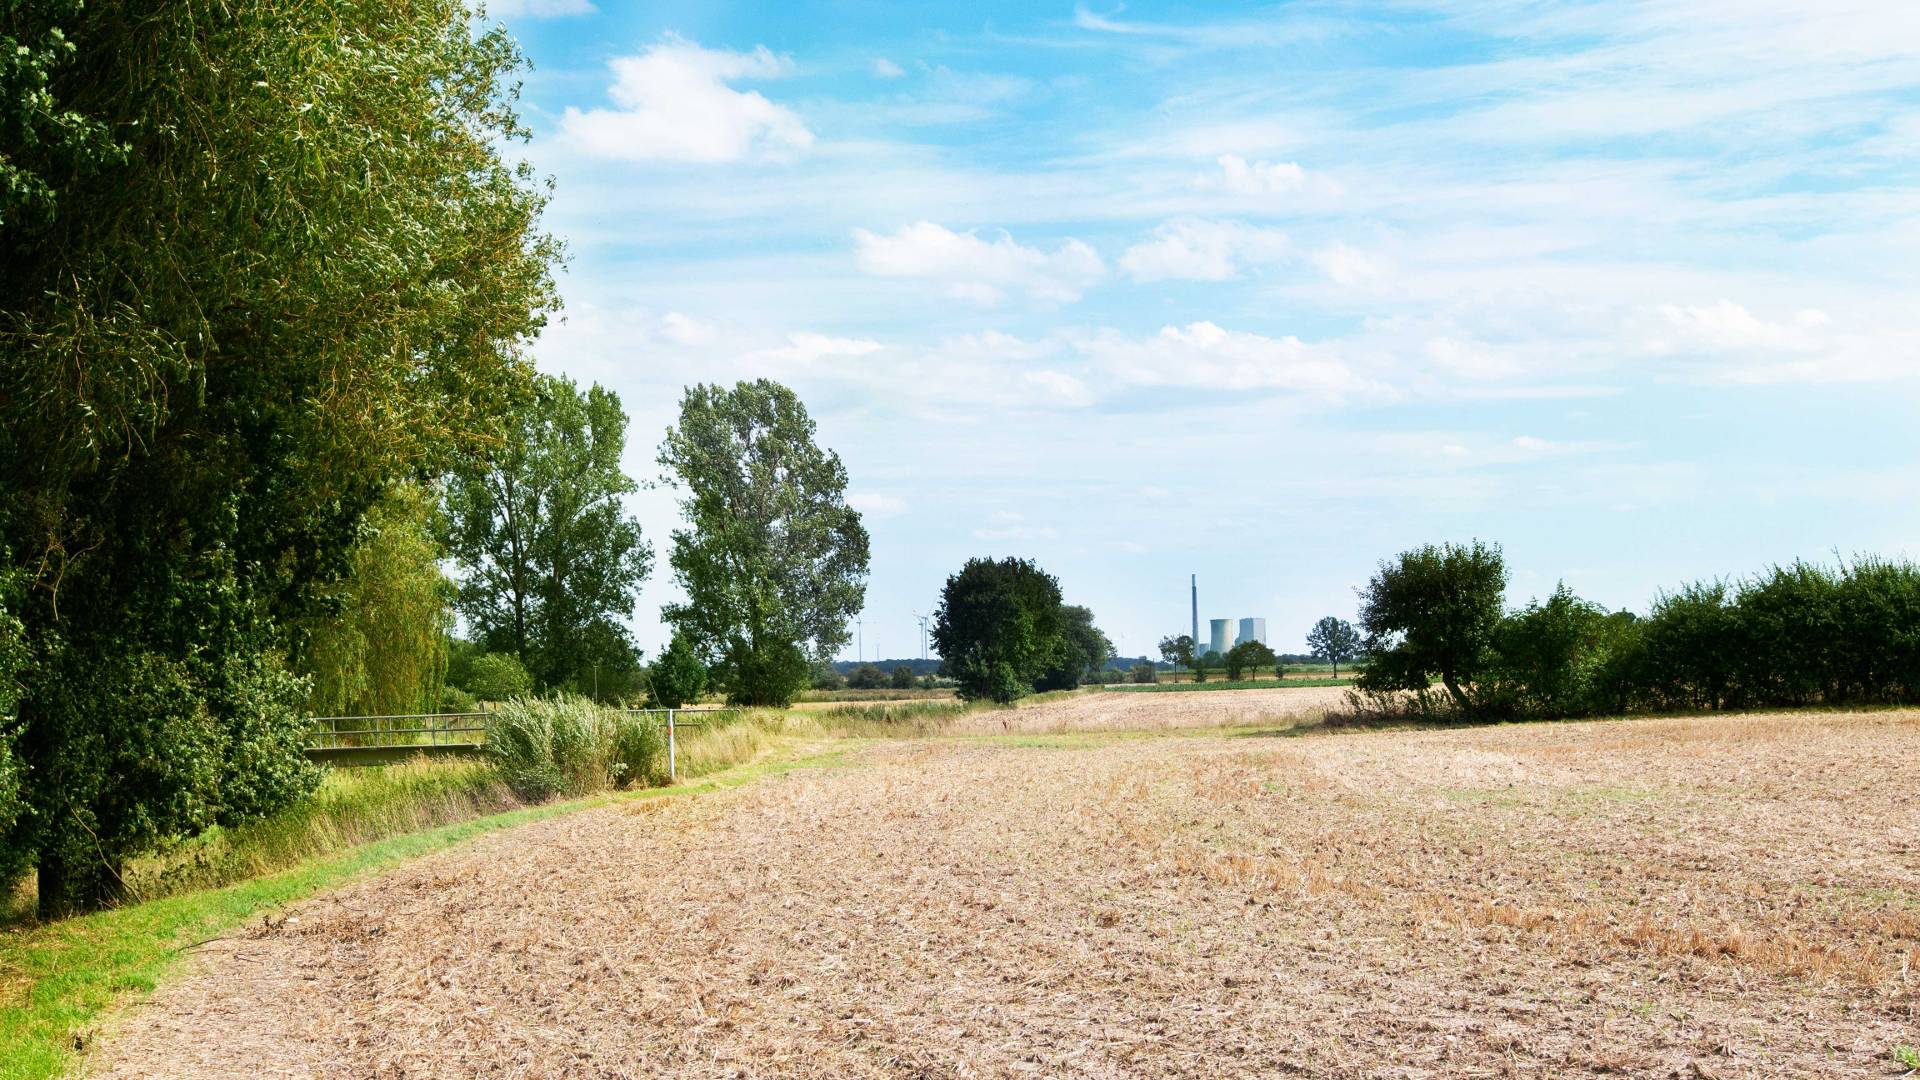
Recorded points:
(1085,649)
(1333,640)
(772,559)
(263,259)
(999,627)
(1432,614)
(550,561)
(1179,651)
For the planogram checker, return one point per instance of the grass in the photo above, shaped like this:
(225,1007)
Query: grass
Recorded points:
(1908,1057)
(58,980)
(882,694)
(1228,684)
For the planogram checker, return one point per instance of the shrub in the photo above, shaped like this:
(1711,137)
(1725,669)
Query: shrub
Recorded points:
(455,700)
(867,677)
(903,678)
(1143,672)
(636,750)
(547,747)
(1546,659)
(498,677)
(825,678)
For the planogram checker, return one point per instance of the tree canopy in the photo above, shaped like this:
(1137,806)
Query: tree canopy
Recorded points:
(999,627)
(1084,650)
(772,559)
(1431,613)
(550,561)
(1334,641)
(263,261)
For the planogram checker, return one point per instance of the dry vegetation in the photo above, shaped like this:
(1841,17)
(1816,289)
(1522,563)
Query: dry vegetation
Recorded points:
(1710,897)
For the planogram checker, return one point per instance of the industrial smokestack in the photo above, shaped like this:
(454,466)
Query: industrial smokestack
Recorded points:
(1194,583)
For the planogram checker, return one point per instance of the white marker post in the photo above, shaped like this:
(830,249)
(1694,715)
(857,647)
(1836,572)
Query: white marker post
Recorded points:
(672,766)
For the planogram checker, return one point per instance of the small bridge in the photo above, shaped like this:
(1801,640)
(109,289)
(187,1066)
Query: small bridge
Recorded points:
(384,740)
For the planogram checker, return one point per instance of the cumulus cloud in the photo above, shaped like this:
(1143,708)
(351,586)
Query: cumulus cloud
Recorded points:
(1201,251)
(983,271)
(672,103)
(1058,388)
(806,347)
(884,68)
(1205,355)
(1348,266)
(687,330)
(1726,325)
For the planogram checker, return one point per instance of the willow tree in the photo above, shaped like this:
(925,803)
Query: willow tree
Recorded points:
(773,560)
(382,648)
(268,261)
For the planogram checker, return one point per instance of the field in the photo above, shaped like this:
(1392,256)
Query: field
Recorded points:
(1717,896)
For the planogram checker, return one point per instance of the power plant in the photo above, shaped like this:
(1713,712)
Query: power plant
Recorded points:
(1221,635)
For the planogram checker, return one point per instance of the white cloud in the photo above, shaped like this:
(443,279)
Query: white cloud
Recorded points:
(539,9)
(687,330)
(1206,356)
(1260,177)
(1201,250)
(674,104)
(1058,388)
(875,504)
(1010,525)
(1727,326)
(884,68)
(980,270)
(1349,266)
(805,347)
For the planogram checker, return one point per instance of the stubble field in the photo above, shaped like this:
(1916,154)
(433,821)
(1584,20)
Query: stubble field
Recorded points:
(1717,897)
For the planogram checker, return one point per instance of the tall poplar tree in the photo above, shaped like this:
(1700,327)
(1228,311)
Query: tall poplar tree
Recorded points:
(773,560)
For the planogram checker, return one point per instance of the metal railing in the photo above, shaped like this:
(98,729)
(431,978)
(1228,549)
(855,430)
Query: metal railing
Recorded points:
(372,740)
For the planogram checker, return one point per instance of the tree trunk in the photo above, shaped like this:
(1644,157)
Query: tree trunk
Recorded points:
(67,889)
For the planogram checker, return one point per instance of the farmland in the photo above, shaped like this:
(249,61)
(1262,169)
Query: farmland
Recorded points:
(1046,891)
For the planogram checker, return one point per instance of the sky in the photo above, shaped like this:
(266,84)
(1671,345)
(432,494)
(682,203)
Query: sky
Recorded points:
(1264,294)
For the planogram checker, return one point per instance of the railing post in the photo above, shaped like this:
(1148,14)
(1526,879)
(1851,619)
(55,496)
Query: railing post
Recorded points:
(672,765)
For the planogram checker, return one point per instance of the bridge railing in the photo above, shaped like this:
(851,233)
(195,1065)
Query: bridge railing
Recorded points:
(378,740)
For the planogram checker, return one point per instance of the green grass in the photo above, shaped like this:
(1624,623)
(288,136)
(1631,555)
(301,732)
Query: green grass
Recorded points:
(59,980)
(1908,1057)
(1226,684)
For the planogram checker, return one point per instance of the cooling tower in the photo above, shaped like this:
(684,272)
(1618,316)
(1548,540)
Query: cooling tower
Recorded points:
(1222,631)
(1252,630)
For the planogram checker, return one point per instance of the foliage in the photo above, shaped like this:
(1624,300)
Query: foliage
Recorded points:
(1178,651)
(1688,647)
(772,559)
(822,676)
(678,676)
(866,677)
(262,262)
(384,650)
(13,782)
(1143,672)
(498,677)
(1247,656)
(999,627)
(1333,641)
(902,678)
(455,700)
(1084,652)
(1431,613)
(550,562)
(1547,659)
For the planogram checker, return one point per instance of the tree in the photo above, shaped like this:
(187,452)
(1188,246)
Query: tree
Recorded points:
(1547,658)
(999,626)
(263,261)
(550,562)
(1333,641)
(385,649)
(1085,650)
(498,676)
(677,676)
(867,677)
(1144,673)
(1430,614)
(1247,656)
(902,677)
(773,561)
(1178,651)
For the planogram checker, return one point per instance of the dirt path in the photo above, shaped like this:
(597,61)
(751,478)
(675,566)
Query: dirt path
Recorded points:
(1721,898)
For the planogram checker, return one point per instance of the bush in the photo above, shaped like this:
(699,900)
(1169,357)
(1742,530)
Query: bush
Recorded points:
(498,677)
(825,678)
(867,677)
(547,747)
(455,700)
(1143,673)
(1546,659)
(636,750)
(903,678)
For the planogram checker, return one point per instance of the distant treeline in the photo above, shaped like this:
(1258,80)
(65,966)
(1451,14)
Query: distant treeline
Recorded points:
(1795,635)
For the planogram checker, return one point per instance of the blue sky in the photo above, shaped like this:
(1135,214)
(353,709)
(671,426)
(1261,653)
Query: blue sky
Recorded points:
(1263,293)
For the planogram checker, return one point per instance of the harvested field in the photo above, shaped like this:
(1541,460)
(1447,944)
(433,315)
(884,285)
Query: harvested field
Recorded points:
(1712,897)
(1162,711)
